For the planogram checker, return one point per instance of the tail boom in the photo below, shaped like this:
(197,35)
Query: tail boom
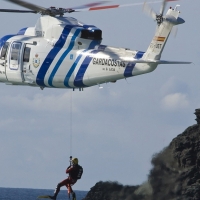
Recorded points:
(158,42)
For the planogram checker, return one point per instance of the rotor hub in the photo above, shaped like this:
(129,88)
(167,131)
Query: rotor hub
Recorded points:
(53,11)
(159,19)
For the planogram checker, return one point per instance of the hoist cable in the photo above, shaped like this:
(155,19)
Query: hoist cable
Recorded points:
(71,131)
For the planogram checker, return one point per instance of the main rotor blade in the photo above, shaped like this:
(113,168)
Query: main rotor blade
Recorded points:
(113,6)
(149,11)
(162,9)
(17,11)
(89,5)
(28,5)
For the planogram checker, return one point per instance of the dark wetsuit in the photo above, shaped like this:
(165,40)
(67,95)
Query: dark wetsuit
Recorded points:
(72,171)
(71,180)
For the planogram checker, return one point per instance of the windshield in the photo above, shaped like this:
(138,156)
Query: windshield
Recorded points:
(4,39)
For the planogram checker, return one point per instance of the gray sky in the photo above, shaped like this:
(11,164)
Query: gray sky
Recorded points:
(117,129)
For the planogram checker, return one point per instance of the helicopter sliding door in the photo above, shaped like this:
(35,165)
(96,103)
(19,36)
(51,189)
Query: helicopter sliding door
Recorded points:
(13,69)
(27,74)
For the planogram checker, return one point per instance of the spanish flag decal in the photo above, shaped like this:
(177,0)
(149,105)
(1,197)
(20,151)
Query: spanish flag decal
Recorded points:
(160,39)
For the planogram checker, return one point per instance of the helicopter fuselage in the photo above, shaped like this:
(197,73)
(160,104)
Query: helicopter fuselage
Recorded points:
(62,52)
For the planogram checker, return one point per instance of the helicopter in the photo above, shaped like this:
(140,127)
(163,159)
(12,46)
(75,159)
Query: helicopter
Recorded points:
(62,52)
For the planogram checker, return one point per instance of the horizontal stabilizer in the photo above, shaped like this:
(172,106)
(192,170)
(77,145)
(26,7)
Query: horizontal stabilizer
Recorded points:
(160,62)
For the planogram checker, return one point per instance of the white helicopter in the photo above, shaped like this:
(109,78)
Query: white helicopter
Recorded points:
(62,52)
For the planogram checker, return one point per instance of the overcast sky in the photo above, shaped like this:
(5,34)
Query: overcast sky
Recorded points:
(117,129)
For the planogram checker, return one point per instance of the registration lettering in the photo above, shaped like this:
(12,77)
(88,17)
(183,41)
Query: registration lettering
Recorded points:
(155,46)
(109,62)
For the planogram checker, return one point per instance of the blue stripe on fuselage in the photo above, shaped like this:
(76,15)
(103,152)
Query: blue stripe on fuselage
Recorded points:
(4,39)
(129,68)
(139,54)
(7,37)
(71,45)
(52,54)
(91,46)
(90,27)
(78,81)
(70,72)
(94,43)
(22,31)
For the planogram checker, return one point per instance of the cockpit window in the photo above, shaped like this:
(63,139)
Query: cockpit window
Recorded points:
(4,51)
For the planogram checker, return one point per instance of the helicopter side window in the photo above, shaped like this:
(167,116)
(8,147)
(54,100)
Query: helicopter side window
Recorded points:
(15,51)
(91,34)
(26,55)
(4,51)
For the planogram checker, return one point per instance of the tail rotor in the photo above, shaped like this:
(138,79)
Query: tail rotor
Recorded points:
(149,11)
(157,17)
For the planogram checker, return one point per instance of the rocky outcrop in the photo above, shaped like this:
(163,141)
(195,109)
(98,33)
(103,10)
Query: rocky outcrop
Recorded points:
(175,174)
(112,190)
(197,113)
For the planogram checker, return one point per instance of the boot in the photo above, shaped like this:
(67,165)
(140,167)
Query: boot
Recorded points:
(52,197)
(57,190)
(73,196)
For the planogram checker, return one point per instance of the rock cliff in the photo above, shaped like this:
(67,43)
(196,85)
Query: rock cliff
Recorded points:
(175,174)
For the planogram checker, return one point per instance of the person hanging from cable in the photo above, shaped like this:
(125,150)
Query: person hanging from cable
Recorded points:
(75,172)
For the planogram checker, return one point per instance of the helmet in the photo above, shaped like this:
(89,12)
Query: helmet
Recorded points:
(75,161)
